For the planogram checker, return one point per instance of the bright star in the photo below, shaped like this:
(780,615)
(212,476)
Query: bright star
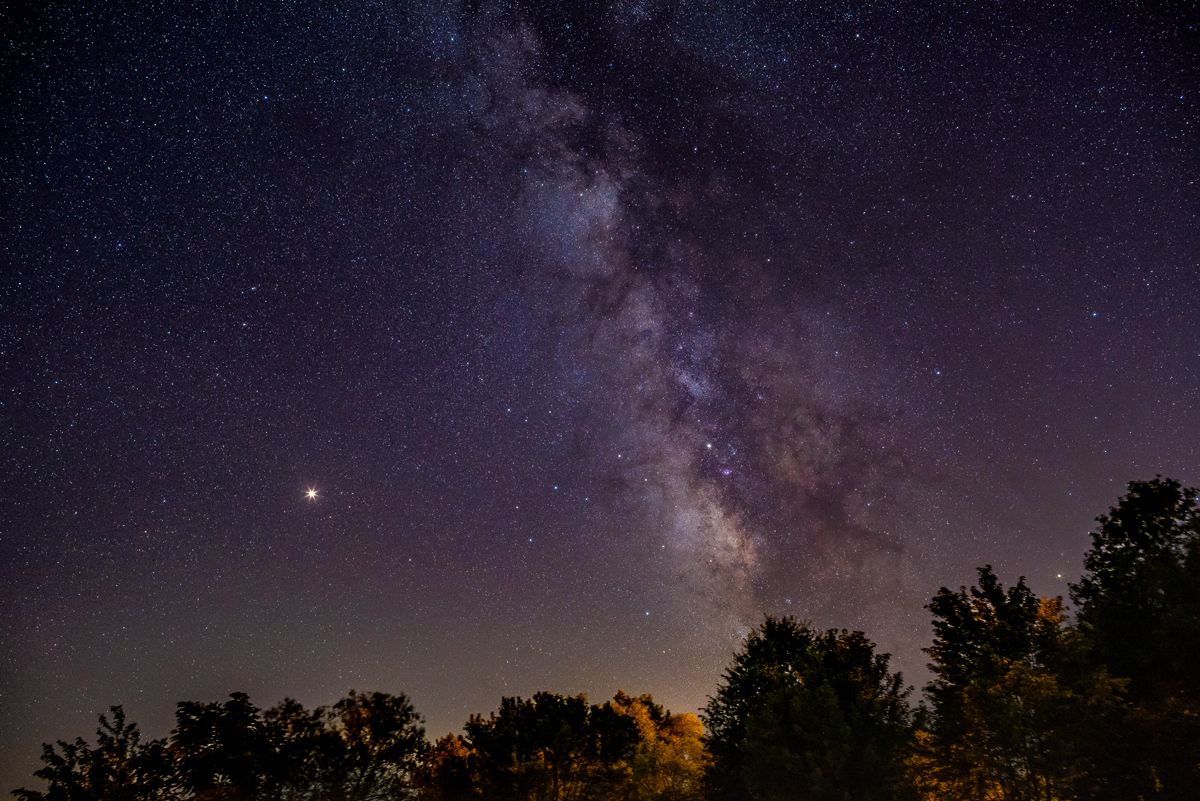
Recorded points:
(311,494)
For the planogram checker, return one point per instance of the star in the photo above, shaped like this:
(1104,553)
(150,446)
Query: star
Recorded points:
(311,494)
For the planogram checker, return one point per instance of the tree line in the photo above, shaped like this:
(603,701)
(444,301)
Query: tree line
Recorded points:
(1025,704)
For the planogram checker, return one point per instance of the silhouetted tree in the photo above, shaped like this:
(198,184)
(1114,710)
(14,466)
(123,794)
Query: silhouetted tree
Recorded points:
(552,747)
(1014,707)
(119,768)
(309,751)
(364,748)
(1139,601)
(383,746)
(222,751)
(807,715)
(547,748)
(1139,610)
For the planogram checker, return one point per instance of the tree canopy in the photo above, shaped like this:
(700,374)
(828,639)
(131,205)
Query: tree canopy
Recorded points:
(1139,611)
(804,714)
(1024,705)
(364,748)
(1013,704)
(1139,599)
(120,767)
(556,748)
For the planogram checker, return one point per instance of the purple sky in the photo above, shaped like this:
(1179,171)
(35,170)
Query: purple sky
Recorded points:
(599,336)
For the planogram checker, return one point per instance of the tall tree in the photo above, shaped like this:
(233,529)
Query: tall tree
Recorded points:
(383,746)
(1013,705)
(1139,601)
(803,714)
(1139,610)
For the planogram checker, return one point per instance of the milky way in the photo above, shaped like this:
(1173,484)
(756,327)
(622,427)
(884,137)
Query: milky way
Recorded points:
(720,406)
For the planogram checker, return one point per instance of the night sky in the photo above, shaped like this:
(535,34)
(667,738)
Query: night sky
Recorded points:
(598,333)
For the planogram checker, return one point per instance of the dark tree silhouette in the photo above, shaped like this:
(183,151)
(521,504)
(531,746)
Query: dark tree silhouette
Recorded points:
(547,748)
(383,745)
(364,748)
(447,774)
(807,715)
(556,748)
(119,768)
(222,750)
(1139,610)
(309,752)
(1015,708)
(1139,601)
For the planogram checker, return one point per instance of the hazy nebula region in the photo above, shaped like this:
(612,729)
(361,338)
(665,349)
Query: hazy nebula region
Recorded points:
(736,436)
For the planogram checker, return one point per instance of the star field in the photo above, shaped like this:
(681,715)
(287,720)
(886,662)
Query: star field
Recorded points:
(469,350)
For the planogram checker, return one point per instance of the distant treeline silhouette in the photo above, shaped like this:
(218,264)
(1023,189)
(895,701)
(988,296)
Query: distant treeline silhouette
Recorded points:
(1024,704)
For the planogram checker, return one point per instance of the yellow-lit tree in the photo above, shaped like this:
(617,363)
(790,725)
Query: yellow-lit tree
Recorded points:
(1015,705)
(669,760)
(555,748)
